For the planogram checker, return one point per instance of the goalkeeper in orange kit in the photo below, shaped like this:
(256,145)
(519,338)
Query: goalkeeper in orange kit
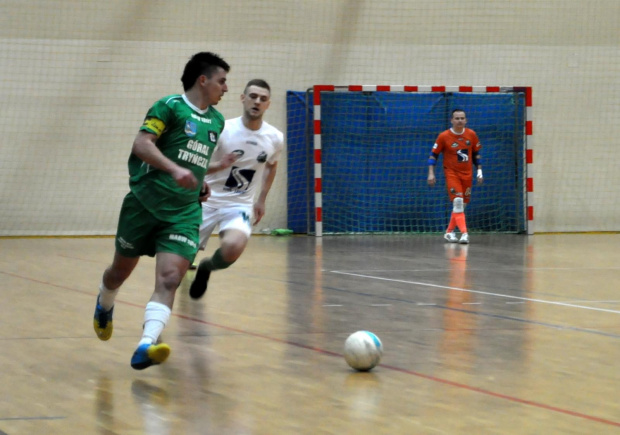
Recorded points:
(461,149)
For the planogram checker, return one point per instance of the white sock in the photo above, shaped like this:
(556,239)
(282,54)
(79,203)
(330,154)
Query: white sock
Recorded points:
(107,296)
(459,207)
(156,317)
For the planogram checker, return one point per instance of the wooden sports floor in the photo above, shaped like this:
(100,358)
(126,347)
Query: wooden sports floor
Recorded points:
(509,335)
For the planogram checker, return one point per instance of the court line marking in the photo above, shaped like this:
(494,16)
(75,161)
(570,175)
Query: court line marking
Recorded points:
(480,292)
(475,313)
(496,269)
(443,381)
(334,354)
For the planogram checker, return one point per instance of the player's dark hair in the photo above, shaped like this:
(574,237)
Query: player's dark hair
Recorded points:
(457,110)
(203,63)
(257,82)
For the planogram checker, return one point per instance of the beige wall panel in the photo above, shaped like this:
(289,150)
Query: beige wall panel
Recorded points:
(76,78)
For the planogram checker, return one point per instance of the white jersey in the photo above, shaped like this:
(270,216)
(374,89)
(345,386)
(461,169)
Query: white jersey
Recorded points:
(239,183)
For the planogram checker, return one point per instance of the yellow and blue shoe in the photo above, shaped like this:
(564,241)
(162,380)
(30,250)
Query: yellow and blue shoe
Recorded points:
(147,355)
(103,322)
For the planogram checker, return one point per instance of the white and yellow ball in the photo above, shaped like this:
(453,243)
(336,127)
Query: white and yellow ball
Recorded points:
(363,350)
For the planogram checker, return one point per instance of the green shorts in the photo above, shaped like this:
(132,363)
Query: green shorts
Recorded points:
(140,233)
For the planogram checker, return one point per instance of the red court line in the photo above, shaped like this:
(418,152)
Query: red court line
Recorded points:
(417,374)
(335,354)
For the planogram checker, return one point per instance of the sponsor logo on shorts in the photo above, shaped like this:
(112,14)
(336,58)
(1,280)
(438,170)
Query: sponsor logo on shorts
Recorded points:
(182,239)
(125,244)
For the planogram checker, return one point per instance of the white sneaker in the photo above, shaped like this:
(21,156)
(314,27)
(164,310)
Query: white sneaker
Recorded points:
(450,237)
(464,239)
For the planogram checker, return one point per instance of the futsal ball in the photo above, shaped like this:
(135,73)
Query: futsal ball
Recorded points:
(363,350)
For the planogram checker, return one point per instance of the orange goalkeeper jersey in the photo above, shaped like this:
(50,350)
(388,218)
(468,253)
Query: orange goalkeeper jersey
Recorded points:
(457,150)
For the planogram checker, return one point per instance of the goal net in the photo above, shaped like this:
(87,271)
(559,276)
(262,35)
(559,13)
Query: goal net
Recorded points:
(357,158)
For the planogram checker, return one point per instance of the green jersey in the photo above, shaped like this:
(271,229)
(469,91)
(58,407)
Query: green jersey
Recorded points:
(187,136)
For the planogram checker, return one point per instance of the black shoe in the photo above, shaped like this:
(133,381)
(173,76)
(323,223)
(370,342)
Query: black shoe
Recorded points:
(199,286)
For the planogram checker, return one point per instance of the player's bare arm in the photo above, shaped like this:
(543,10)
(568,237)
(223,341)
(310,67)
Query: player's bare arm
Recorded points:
(224,163)
(145,148)
(268,176)
(431,180)
(478,163)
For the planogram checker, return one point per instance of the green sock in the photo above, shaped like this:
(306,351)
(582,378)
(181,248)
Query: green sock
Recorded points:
(216,262)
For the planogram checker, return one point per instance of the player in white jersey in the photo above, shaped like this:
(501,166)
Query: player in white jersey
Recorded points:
(240,176)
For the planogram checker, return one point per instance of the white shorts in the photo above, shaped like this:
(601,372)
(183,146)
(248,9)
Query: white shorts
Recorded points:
(237,218)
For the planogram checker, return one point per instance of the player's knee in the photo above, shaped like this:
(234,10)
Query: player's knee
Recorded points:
(458,206)
(232,254)
(169,280)
(232,246)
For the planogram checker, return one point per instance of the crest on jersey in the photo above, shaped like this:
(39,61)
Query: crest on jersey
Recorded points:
(262,157)
(212,137)
(462,155)
(468,143)
(238,180)
(190,128)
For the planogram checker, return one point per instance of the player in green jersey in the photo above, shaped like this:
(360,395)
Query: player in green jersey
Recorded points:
(161,214)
